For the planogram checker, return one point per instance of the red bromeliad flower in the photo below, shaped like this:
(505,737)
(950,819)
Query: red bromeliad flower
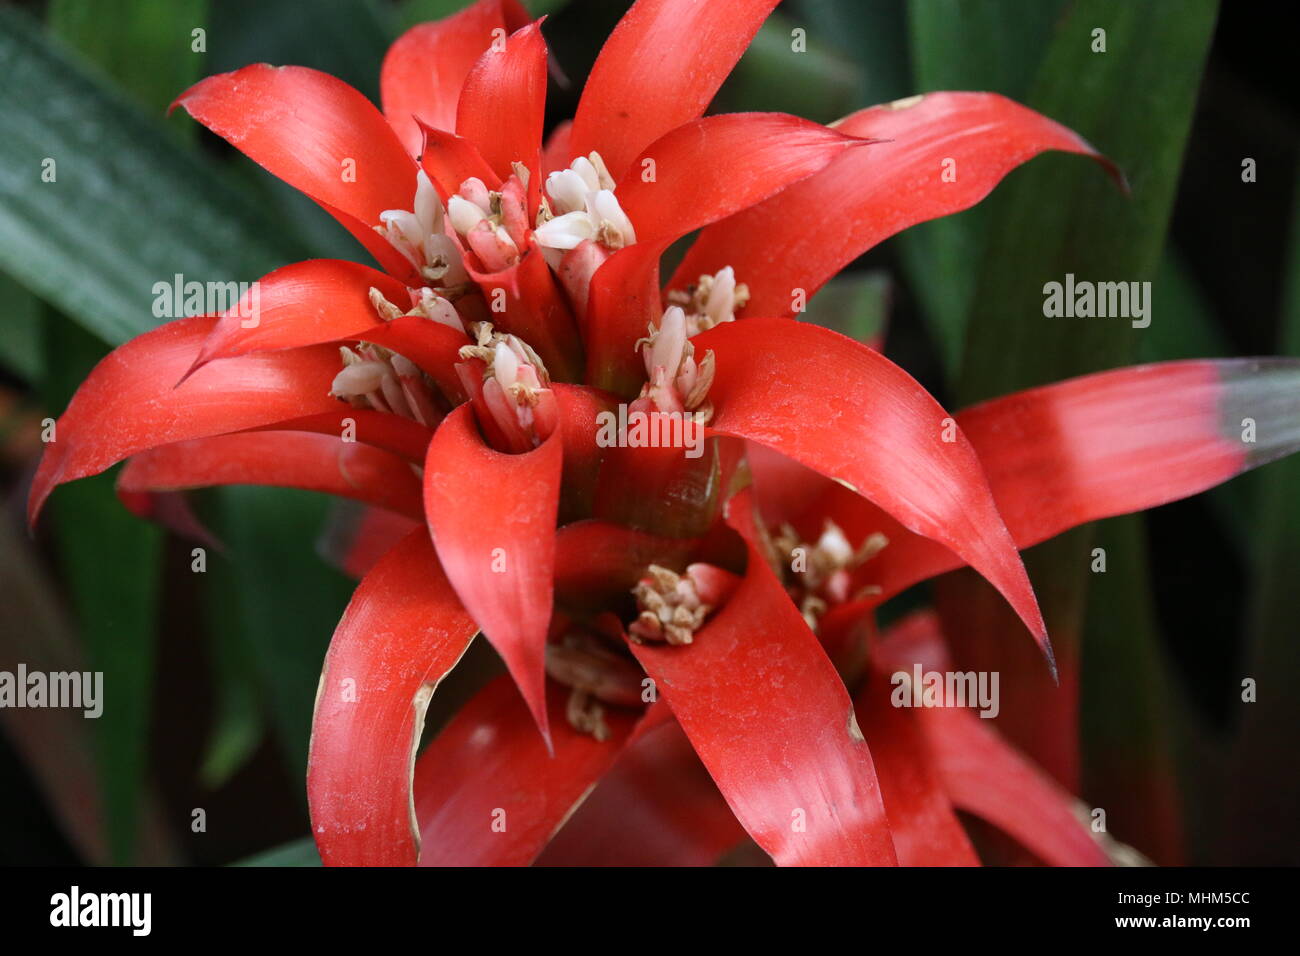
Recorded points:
(690,634)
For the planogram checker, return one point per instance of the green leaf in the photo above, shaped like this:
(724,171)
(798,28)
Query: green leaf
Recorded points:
(1127,716)
(67,774)
(111,561)
(237,722)
(873,35)
(146,47)
(20,328)
(817,82)
(298,853)
(286,600)
(540,8)
(346,38)
(1264,777)
(992,45)
(1188,330)
(422,11)
(1060,215)
(125,206)
(997,46)
(855,304)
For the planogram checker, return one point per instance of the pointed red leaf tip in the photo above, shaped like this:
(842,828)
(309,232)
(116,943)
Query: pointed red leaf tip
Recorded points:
(503,102)
(320,136)
(1112,443)
(981,773)
(488,792)
(282,459)
(659,69)
(425,68)
(401,634)
(306,303)
(800,238)
(129,402)
(700,172)
(313,131)
(328,300)
(449,160)
(1131,439)
(710,168)
(848,412)
(799,778)
(492,517)
(657,806)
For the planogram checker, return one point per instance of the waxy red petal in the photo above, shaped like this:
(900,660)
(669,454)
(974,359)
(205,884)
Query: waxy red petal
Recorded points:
(659,69)
(926,831)
(981,773)
(488,793)
(313,131)
(401,436)
(536,310)
(986,776)
(503,102)
(130,402)
(623,301)
(401,634)
(492,516)
(846,411)
(449,160)
(306,303)
(425,68)
(284,459)
(657,806)
(770,718)
(579,409)
(434,347)
(805,235)
(703,171)
(710,168)
(1114,443)
(1130,439)
(327,300)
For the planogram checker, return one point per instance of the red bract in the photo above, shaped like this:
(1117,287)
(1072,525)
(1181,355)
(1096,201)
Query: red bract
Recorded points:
(638,491)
